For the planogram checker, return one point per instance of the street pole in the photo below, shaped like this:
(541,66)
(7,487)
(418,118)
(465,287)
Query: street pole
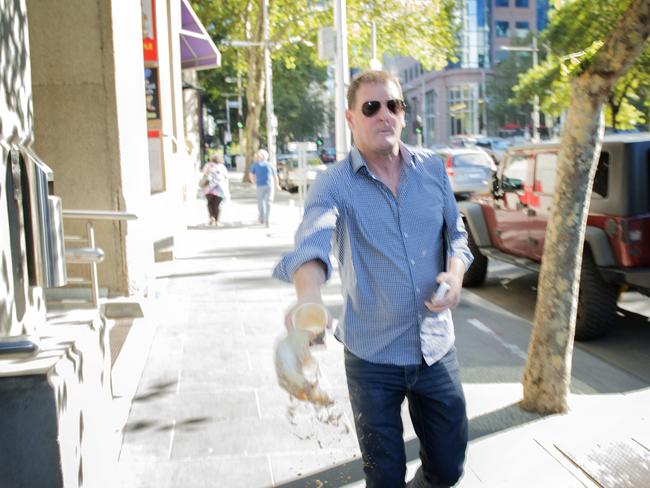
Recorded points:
(240,116)
(535,97)
(227,137)
(374,62)
(342,79)
(268,74)
(423,94)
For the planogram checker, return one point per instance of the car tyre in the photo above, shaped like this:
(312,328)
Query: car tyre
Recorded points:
(475,275)
(596,302)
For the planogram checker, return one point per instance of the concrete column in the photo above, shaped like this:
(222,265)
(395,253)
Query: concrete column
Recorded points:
(90,123)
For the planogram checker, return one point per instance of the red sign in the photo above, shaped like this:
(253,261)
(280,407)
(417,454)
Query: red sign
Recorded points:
(149,30)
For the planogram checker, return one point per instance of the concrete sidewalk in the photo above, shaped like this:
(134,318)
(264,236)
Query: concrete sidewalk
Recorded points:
(208,412)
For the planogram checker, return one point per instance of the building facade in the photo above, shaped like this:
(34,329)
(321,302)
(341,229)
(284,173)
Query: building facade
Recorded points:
(93,118)
(451,102)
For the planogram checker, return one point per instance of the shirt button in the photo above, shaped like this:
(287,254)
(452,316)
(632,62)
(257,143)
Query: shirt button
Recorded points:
(406,235)
(418,290)
(419,316)
(412,262)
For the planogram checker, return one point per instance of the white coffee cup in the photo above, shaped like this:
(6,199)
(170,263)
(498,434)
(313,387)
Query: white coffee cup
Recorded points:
(310,316)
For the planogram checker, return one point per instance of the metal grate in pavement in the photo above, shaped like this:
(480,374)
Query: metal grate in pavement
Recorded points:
(621,463)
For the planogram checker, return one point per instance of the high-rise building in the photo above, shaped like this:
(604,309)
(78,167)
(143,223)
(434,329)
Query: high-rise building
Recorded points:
(451,101)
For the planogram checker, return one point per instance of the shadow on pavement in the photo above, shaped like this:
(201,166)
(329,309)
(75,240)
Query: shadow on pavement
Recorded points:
(352,471)
(239,252)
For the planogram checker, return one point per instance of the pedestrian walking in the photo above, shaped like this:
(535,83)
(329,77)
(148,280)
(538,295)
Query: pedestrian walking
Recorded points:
(216,186)
(398,237)
(265,178)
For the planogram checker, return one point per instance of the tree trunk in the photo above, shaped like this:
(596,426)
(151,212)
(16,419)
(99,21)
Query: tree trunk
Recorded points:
(547,375)
(254,90)
(255,99)
(548,370)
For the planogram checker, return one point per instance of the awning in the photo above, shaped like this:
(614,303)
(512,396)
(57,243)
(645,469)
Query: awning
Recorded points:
(197,49)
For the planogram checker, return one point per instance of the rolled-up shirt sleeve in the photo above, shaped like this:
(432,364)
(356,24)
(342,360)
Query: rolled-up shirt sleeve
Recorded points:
(313,239)
(456,234)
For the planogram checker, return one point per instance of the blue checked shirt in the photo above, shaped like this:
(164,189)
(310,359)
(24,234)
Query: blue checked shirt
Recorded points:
(390,250)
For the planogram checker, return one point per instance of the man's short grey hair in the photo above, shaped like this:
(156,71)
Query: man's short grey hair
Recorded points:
(262,155)
(371,76)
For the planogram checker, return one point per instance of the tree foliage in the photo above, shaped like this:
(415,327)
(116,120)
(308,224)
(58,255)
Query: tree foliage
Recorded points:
(573,36)
(501,108)
(423,29)
(299,96)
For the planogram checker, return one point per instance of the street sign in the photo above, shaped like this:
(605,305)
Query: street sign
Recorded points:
(326,44)
(301,146)
(233,104)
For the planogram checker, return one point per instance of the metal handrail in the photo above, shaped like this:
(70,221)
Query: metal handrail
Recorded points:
(98,215)
(89,216)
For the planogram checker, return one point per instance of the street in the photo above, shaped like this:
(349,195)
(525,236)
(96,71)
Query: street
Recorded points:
(208,406)
(626,347)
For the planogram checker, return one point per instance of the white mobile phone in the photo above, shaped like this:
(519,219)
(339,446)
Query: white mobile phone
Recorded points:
(441,291)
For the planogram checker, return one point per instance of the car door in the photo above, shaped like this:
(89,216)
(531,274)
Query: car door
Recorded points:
(510,226)
(539,203)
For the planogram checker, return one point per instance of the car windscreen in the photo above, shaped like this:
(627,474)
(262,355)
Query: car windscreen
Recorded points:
(475,159)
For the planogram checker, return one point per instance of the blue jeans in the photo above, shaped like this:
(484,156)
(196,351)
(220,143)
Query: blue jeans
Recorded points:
(265,196)
(437,409)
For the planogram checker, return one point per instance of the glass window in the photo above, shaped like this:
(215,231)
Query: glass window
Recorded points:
(500,56)
(501,28)
(462,106)
(521,3)
(545,173)
(522,28)
(501,3)
(515,171)
(601,179)
(469,160)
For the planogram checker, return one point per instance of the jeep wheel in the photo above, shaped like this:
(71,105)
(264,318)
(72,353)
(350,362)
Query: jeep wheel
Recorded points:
(596,302)
(475,275)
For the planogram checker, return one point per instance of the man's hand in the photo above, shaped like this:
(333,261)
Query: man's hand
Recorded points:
(451,298)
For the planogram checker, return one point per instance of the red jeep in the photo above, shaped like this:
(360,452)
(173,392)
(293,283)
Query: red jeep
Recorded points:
(510,223)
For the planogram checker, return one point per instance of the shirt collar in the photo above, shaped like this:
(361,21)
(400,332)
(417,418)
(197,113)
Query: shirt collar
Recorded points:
(357,161)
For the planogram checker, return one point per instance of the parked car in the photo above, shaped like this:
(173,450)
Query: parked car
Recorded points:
(290,174)
(509,223)
(496,147)
(327,155)
(463,141)
(469,170)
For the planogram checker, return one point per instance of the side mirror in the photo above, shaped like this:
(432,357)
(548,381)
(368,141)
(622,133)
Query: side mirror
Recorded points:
(512,184)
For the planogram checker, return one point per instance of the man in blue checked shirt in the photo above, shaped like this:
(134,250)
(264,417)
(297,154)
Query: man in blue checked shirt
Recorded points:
(397,236)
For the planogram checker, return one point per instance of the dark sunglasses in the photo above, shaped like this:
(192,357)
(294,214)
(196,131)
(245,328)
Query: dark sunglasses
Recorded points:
(371,107)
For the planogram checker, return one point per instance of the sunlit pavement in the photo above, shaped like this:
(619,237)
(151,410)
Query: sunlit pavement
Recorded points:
(208,412)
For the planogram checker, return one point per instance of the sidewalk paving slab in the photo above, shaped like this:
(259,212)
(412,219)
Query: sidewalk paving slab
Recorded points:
(208,411)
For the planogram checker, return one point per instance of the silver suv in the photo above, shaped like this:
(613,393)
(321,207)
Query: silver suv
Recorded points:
(469,170)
